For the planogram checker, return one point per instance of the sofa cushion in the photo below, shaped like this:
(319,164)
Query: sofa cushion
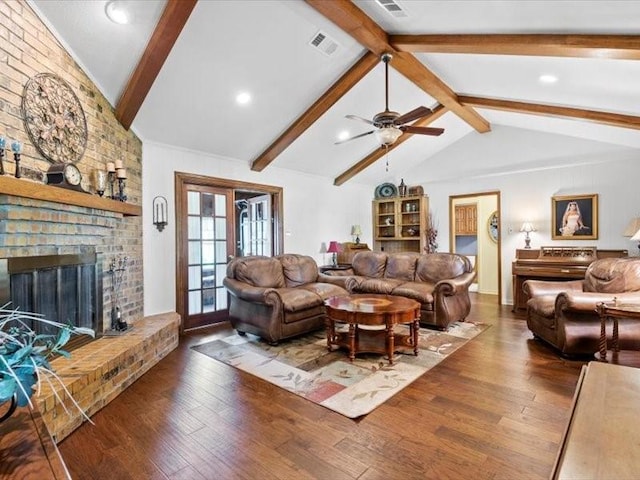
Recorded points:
(402,266)
(378,285)
(369,264)
(325,290)
(422,292)
(298,299)
(298,269)
(263,272)
(613,275)
(434,267)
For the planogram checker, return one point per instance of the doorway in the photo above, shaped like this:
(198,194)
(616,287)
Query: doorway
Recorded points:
(474,231)
(217,219)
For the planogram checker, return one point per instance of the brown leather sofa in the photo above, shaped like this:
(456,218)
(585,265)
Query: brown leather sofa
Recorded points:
(439,281)
(563,314)
(277,297)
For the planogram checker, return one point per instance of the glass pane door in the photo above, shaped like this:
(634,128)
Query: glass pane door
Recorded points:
(207,241)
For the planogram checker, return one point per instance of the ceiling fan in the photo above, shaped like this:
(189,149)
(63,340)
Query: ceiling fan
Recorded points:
(390,125)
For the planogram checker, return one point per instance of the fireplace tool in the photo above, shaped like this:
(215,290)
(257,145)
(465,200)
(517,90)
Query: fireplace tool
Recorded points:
(116,270)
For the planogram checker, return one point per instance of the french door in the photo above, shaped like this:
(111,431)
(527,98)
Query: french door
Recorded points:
(207,242)
(208,230)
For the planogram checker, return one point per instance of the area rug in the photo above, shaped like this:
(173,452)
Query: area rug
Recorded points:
(305,367)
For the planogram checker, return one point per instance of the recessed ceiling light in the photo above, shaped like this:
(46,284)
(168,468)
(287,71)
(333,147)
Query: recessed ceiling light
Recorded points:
(117,12)
(343,135)
(548,79)
(243,98)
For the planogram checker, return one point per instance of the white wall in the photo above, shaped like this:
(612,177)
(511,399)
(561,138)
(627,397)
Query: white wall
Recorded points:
(315,212)
(526,190)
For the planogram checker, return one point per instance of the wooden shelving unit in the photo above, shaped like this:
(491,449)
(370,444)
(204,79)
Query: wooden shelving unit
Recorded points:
(39,191)
(399,224)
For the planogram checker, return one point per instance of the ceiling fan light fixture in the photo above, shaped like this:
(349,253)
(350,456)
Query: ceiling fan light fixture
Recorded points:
(388,135)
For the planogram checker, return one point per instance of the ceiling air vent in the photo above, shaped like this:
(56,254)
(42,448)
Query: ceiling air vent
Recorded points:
(393,8)
(324,43)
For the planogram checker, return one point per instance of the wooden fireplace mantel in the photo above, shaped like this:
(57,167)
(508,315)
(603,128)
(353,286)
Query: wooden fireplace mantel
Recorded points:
(39,191)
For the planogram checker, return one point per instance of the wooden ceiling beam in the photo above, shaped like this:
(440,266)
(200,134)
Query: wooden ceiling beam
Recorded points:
(606,118)
(173,18)
(589,46)
(438,111)
(315,111)
(346,15)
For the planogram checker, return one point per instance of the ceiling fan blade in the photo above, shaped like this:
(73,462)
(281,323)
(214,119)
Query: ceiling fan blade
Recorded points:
(353,138)
(422,130)
(355,117)
(414,114)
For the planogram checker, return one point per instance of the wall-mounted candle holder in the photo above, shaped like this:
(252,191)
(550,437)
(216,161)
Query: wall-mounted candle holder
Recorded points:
(3,144)
(160,212)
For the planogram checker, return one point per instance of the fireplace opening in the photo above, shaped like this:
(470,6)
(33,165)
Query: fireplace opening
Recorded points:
(63,288)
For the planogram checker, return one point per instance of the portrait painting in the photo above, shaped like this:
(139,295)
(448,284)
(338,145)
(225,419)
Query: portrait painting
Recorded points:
(574,217)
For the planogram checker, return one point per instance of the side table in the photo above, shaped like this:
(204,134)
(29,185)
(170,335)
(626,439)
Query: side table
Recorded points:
(614,311)
(329,268)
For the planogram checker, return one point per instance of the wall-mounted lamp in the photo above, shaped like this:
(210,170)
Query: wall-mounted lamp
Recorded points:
(3,144)
(160,212)
(333,248)
(526,228)
(632,230)
(356,231)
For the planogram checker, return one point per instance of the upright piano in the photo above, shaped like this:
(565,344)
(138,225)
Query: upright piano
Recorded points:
(553,263)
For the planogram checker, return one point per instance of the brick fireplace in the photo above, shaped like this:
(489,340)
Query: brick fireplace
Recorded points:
(34,230)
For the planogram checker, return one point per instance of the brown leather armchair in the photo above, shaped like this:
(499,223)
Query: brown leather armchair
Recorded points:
(277,297)
(563,314)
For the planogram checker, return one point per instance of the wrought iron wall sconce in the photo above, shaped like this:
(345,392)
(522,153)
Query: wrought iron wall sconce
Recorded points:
(3,143)
(160,212)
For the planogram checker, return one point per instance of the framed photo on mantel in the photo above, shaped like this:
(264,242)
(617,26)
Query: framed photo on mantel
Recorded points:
(574,217)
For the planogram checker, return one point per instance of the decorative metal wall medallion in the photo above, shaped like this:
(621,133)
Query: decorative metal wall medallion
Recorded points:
(53,118)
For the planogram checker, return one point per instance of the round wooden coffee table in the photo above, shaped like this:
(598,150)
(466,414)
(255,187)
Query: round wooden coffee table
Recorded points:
(364,312)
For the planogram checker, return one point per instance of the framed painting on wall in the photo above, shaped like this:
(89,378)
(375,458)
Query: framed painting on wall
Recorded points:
(574,217)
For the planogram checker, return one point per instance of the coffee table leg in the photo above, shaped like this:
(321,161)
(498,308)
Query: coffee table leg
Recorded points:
(616,345)
(390,342)
(603,337)
(331,331)
(415,329)
(352,342)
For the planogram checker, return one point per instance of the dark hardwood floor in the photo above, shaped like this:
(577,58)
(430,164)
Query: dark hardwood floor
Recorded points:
(495,409)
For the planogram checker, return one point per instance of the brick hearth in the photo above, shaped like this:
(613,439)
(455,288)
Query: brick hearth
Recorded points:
(98,372)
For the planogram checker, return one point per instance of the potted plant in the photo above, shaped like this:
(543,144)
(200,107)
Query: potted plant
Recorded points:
(25,355)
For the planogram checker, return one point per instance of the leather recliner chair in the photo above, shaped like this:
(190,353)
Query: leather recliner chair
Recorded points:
(564,315)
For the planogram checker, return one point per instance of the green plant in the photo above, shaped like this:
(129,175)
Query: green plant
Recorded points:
(25,354)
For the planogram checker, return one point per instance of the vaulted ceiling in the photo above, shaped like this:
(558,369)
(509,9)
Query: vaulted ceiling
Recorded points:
(173,74)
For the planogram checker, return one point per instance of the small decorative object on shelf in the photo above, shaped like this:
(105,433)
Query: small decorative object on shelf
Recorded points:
(16,147)
(101,181)
(121,174)
(160,212)
(111,176)
(116,271)
(402,188)
(3,144)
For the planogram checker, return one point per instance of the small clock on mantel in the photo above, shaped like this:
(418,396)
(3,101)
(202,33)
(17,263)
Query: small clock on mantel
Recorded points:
(65,175)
